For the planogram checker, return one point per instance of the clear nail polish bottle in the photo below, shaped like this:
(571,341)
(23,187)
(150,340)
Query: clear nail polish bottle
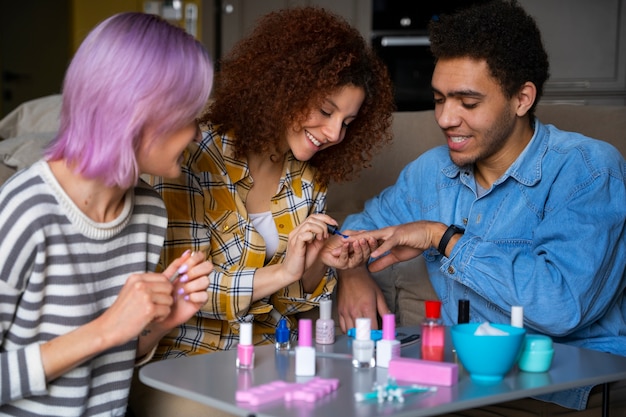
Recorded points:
(325,325)
(363,345)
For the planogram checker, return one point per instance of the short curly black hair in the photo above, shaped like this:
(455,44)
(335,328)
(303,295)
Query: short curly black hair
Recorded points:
(292,60)
(501,33)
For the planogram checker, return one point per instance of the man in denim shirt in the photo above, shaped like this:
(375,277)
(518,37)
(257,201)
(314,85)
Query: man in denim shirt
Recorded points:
(539,213)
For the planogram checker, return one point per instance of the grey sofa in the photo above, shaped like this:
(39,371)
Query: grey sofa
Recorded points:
(28,128)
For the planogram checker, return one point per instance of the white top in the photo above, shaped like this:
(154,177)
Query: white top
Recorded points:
(264,224)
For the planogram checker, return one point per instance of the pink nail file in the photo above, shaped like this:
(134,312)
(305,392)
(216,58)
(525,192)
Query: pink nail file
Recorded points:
(420,371)
(309,391)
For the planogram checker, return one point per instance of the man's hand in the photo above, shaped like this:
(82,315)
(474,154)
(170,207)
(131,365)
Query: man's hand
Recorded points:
(403,242)
(358,295)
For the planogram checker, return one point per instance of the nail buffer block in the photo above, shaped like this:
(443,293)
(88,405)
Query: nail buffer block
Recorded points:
(420,371)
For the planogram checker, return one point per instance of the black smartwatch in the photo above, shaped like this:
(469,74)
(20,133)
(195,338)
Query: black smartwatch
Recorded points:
(445,239)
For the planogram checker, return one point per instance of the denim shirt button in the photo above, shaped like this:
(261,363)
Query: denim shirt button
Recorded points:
(451,270)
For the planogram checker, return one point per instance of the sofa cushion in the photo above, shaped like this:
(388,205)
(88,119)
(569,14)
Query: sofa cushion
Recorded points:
(413,132)
(39,115)
(606,123)
(21,151)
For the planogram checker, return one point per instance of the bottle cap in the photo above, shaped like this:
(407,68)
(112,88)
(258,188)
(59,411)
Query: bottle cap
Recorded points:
(433,309)
(464,310)
(363,326)
(517,316)
(305,332)
(245,334)
(282,331)
(326,307)
(389,327)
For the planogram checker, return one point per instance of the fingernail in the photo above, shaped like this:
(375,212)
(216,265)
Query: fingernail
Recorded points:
(181,291)
(185,253)
(183,268)
(186,298)
(184,278)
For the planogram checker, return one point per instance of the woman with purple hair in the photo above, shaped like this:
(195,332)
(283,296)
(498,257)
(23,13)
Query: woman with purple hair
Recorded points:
(80,303)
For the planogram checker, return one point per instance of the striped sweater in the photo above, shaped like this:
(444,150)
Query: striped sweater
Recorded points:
(58,271)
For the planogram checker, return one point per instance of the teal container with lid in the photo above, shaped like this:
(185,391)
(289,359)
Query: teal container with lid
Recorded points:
(537,353)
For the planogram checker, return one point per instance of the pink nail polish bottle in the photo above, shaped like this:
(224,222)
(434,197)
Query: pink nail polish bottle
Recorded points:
(388,347)
(245,348)
(305,352)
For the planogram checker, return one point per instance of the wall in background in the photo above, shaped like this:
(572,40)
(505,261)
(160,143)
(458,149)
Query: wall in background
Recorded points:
(38,39)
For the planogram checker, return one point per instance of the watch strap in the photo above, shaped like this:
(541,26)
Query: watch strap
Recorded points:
(445,239)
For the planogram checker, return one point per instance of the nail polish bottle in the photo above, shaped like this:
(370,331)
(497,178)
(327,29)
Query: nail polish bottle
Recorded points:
(282,336)
(363,345)
(463,315)
(517,316)
(305,352)
(388,347)
(325,325)
(433,333)
(245,348)
(462,318)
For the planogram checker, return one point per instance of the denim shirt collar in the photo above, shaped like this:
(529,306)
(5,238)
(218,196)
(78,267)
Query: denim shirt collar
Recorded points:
(526,169)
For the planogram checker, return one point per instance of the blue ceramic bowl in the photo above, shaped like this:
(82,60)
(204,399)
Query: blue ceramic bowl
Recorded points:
(487,358)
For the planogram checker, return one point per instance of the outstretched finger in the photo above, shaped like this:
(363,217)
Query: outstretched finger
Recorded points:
(178,267)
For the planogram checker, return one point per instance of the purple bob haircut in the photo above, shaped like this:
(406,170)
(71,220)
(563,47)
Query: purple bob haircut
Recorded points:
(133,71)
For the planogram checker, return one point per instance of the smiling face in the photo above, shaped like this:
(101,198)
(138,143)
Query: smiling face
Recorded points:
(163,157)
(325,126)
(481,124)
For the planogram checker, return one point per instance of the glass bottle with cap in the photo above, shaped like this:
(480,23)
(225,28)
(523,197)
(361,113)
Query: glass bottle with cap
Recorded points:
(282,336)
(325,325)
(388,347)
(245,348)
(433,332)
(517,316)
(464,313)
(305,352)
(363,345)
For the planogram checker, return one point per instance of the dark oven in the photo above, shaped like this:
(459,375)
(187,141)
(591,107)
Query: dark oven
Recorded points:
(400,37)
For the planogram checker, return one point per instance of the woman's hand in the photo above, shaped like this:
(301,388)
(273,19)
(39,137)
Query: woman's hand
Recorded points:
(304,245)
(151,297)
(190,281)
(347,253)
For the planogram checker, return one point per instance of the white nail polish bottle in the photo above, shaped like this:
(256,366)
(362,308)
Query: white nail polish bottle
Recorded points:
(363,345)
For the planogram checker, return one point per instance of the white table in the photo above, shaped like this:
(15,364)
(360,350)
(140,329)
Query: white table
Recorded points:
(213,379)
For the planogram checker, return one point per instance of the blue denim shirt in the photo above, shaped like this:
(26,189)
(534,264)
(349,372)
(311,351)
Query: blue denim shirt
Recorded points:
(549,235)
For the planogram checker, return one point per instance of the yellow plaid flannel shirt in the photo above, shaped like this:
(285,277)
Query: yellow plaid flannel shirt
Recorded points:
(206,211)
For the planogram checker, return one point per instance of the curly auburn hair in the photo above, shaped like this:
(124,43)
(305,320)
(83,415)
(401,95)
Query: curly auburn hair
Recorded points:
(501,33)
(291,62)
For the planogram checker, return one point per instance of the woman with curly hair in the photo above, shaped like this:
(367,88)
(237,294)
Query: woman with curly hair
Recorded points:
(301,101)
